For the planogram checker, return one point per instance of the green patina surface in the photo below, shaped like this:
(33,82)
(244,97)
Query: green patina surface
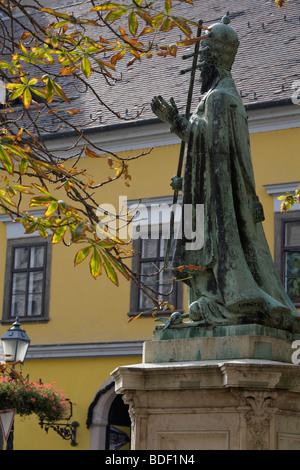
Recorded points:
(231,276)
(181,332)
(251,341)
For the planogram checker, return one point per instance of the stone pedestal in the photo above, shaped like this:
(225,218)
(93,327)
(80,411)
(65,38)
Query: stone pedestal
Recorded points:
(216,391)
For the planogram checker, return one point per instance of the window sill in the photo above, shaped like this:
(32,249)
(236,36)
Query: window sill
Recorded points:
(22,320)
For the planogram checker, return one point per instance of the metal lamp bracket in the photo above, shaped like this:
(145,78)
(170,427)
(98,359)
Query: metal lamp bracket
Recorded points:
(66,430)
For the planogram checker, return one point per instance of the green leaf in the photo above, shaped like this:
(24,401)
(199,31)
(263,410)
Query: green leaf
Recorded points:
(106,6)
(167,25)
(157,20)
(93,49)
(56,13)
(40,201)
(61,23)
(82,254)
(13,86)
(49,90)
(132,22)
(40,93)
(48,57)
(23,48)
(24,80)
(168,6)
(44,191)
(33,81)
(58,234)
(182,24)
(51,209)
(7,201)
(6,160)
(23,165)
(106,243)
(58,89)
(16,149)
(31,227)
(118,265)
(27,97)
(116,14)
(5,65)
(22,189)
(43,231)
(18,92)
(110,272)
(86,66)
(95,264)
(10,191)
(79,232)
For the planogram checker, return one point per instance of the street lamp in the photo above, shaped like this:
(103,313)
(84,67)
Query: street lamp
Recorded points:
(15,343)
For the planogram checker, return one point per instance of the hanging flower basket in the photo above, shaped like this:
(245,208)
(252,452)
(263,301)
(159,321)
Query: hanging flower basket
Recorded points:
(26,398)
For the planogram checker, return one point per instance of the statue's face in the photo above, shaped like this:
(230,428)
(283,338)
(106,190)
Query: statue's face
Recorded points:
(208,74)
(208,69)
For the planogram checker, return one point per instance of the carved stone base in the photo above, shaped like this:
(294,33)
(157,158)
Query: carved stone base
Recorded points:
(236,404)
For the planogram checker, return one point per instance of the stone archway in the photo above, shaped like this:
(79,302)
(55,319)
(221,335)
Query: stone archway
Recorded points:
(101,417)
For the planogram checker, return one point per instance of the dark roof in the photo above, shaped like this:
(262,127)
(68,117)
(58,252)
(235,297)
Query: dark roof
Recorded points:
(266,65)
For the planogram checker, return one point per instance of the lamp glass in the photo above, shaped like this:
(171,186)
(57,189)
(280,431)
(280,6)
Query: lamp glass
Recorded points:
(9,350)
(21,350)
(15,344)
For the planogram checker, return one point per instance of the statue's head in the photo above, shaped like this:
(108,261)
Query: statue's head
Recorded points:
(218,50)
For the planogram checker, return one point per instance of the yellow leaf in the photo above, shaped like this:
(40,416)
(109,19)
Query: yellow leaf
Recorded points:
(73,111)
(118,56)
(67,70)
(135,317)
(91,153)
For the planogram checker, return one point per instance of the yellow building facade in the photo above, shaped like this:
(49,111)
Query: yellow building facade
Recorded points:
(88,334)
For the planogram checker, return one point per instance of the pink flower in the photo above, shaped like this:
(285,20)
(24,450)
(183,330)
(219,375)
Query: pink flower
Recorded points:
(33,399)
(54,408)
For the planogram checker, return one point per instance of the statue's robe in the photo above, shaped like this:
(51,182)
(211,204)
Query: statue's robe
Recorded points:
(238,282)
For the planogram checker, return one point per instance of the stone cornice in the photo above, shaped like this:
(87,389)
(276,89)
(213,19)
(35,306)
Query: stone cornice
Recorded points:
(85,350)
(153,133)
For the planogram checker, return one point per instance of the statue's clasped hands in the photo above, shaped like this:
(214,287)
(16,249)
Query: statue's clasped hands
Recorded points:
(163,110)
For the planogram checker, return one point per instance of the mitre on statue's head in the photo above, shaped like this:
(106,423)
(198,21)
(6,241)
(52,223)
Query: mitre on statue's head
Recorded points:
(221,45)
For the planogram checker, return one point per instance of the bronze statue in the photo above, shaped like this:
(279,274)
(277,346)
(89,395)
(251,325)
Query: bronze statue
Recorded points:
(236,281)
